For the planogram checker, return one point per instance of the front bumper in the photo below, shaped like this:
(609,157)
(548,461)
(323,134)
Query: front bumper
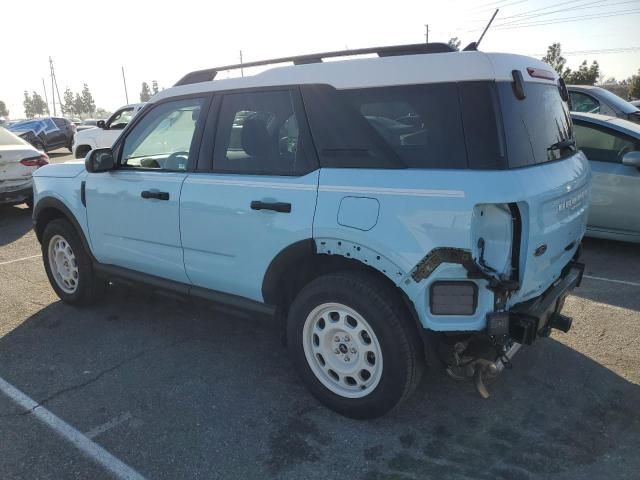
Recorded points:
(536,317)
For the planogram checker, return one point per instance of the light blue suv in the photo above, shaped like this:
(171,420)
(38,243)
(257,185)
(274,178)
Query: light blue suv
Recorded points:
(425,204)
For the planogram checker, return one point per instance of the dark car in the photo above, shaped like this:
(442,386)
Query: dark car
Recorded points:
(46,133)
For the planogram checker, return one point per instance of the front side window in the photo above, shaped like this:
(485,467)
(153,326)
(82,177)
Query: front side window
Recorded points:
(581,102)
(120,119)
(600,145)
(258,134)
(162,139)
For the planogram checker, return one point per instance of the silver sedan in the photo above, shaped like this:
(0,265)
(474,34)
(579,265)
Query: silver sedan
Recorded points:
(613,147)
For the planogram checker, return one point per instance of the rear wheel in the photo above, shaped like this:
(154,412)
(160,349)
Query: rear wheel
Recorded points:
(353,345)
(39,145)
(82,151)
(68,264)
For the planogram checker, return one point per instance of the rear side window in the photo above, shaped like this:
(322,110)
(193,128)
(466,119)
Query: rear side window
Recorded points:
(581,102)
(258,133)
(536,125)
(414,126)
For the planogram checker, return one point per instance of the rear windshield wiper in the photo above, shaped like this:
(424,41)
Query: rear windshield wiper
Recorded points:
(562,144)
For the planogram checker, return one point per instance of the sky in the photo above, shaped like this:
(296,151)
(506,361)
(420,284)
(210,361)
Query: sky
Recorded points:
(90,41)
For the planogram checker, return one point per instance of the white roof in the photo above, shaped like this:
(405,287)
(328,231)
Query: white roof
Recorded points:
(383,71)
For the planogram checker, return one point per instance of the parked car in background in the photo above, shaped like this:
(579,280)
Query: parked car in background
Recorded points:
(18,160)
(635,103)
(369,203)
(106,132)
(612,146)
(87,124)
(588,99)
(46,133)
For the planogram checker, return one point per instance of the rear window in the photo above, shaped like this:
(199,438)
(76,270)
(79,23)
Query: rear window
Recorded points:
(536,125)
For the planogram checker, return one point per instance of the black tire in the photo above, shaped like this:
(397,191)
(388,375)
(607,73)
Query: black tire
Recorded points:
(89,288)
(38,145)
(382,308)
(82,151)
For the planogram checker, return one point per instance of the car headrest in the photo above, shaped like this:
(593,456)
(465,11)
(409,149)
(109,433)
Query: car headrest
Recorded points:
(255,137)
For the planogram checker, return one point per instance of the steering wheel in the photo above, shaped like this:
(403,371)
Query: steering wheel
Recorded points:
(623,150)
(173,161)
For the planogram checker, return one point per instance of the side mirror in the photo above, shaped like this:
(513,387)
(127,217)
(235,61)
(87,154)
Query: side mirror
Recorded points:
(100,124)
(632,159)
(100,160)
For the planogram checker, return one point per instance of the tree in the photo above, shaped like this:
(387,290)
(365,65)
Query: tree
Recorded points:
(40,107)
(585,75)
(145,93)
(87,100)
(454,42)
(69,107)
(555,59)
(101,113)
(3,109)
(78,104)
(154,86)
(634,86)
(28,105)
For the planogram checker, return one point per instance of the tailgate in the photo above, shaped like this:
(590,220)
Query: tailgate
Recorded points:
(555,224)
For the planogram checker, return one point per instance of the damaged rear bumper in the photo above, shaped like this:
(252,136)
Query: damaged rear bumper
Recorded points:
(535,318)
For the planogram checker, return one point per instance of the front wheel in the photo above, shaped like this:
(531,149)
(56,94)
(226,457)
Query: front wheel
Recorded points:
(353,345)
(68,264)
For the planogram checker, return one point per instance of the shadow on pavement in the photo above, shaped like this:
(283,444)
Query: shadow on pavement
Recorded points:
(15,221)
(612,260)
(211,395)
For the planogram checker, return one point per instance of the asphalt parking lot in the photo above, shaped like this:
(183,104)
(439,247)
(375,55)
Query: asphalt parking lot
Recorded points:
(173,389)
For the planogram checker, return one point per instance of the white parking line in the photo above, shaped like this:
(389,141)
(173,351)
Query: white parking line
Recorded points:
(114,422)
(94,451)
(622,282)
(20,259)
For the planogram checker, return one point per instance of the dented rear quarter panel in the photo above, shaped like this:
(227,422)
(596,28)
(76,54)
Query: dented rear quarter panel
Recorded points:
(420,210)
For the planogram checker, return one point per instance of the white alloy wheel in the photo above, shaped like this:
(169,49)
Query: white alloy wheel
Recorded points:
(342,350)
(63,265)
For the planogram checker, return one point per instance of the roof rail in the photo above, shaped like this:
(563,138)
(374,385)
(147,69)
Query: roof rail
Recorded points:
(389,51)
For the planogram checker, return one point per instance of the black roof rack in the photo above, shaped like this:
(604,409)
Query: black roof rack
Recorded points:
(390,51)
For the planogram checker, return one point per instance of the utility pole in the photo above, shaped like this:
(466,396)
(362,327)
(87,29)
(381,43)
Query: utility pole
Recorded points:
(241,69)
(426,34)
(124,80)
(46,99)
(53,80)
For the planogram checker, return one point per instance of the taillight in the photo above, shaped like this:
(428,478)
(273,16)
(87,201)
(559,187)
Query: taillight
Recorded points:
(39,161)
(541,73)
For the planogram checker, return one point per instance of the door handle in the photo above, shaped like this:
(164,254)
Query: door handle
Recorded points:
(275,206)
(157,195)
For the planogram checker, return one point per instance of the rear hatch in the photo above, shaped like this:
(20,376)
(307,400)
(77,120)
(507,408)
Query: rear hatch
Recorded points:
(554,177)
(553,221)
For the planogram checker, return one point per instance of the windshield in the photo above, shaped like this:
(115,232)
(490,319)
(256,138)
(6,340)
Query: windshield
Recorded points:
(538,128)
(619,103)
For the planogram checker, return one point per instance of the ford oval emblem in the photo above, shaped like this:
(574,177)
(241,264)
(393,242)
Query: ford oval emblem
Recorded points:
(540,250)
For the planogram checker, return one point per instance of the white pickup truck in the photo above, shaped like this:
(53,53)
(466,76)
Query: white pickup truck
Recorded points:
(105,133)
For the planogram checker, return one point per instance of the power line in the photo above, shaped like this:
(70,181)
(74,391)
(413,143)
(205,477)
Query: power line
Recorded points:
(555,5)
(585,6)
(602,51)
(526,17)
(564,20)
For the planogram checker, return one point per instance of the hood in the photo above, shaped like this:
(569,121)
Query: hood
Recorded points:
(61,170)
(87,133)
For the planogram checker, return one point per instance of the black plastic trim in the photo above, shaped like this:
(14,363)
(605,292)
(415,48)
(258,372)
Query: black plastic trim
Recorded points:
(115,273)
(53,203)
(454,283)
(287,257)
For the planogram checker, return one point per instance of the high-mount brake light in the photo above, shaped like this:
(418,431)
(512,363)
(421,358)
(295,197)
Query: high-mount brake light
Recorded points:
(39,161)
(540,73)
